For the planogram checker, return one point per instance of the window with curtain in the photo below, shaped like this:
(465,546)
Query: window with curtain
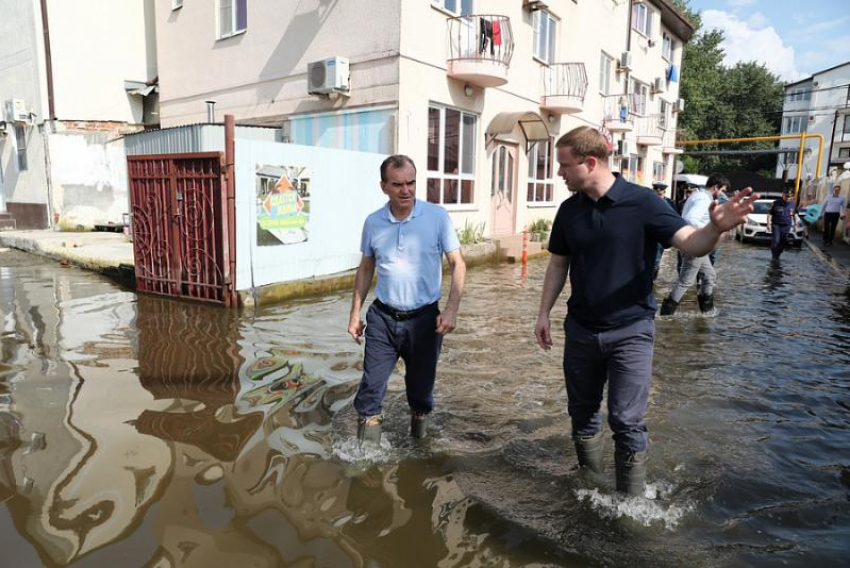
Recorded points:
(544,36)
(464,6)
(541,183)
(451,156)
(606,69)
(232,17)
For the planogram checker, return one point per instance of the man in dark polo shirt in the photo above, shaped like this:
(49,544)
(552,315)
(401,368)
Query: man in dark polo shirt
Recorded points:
(605,238)
(780,220)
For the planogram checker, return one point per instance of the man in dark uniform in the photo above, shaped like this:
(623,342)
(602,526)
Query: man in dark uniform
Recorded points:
(660,190)
(780,220)
(604,239)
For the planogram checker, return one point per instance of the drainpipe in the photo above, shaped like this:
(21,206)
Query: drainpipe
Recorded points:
(831,141)
(48,61)
(51,114)
(210,112)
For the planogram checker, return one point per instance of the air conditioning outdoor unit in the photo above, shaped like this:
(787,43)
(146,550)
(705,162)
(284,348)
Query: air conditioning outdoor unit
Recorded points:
(658,85)
(680,105)
(16,111)
(624,148)
(328,76)
(625,61)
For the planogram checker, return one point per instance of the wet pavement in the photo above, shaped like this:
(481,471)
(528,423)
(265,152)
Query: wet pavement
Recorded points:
(144,431)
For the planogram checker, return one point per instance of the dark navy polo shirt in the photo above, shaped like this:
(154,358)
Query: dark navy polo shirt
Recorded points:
(780,212)
(611,246)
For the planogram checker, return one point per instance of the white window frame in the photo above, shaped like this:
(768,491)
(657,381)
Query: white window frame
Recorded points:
(545,35)
(21,147)
(659,171)
(794,124)
(234,29)
(844,152)
(461,176)
(663,113)
(642,19)
(549,177)
(606,72)
(641,89)
(443,5)
(668,44)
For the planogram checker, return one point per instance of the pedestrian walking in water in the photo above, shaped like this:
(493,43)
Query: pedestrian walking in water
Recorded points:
(833,209)
(697,214)
(405,240)
(604,238)
(780,221)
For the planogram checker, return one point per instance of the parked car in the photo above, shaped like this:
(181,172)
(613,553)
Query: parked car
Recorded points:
(755,229)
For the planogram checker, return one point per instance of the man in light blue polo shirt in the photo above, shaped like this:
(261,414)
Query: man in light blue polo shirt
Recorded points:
(405,240)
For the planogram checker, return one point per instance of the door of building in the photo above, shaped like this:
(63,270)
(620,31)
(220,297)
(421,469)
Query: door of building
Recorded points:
(180,226)
(503,183)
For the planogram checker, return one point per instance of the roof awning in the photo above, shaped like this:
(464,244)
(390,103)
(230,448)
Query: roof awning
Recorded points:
(139,88)
(532,125)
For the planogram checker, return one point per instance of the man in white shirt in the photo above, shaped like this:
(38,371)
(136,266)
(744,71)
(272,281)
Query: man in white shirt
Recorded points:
(834,208)
(696,213)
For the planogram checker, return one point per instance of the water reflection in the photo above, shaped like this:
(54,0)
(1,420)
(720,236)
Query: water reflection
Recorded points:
(175,434)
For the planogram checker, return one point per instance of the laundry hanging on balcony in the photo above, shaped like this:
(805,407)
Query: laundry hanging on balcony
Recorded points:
(673,74)
(486,36)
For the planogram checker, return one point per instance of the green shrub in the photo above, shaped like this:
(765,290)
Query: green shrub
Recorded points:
(539,229)
(471,234)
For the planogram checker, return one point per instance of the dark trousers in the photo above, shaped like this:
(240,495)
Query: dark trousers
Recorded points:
(621,357)
(830,223)
(387,339)
(778,238)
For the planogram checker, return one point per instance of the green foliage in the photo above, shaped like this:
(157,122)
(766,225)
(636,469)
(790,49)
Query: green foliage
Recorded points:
(742,101)
(540,228)
(471,234)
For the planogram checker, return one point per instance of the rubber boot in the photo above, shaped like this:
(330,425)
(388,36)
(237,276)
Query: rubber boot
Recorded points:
(631,472)
(669,307)
(589,452)
(418,426)
(369,430)
(706,302)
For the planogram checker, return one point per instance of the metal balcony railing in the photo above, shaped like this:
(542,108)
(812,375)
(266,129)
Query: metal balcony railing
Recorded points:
(623,108)
(481,37)
(565,80)
(650,126)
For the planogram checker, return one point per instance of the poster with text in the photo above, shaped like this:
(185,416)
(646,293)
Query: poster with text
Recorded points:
(283,205)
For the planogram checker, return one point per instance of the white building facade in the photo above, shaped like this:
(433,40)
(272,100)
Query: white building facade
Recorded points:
(74,76)
(819,104)
(475,92)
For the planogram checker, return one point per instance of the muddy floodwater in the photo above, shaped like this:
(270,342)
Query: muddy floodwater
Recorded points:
(139,431)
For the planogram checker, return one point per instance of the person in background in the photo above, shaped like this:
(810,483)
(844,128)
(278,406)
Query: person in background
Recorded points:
(833,209)
(661,190)
(404,320)
(604,238)
(780,221)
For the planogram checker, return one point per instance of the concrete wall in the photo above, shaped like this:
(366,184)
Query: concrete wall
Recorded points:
(262,72)
(344,189)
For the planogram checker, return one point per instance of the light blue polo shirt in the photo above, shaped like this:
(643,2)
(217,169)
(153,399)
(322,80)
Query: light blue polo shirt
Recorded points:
(409,253)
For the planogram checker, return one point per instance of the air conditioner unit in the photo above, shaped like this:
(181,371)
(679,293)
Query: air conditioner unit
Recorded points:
(16,111)
(625,61)
(658,85)
(624,148)
(680,105)
(328,76)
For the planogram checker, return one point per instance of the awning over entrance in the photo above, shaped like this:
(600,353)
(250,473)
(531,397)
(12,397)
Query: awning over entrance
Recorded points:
(532,125)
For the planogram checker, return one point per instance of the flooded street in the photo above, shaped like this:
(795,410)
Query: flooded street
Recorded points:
(139,431)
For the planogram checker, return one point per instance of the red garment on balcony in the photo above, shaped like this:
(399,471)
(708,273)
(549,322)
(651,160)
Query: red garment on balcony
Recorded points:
(497,33)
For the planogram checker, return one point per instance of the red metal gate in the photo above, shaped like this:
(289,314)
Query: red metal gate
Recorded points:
(181,234)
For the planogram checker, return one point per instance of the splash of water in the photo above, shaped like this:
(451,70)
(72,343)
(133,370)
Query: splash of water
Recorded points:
(647,510)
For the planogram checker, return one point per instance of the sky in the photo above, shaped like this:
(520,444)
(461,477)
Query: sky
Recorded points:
(793,39)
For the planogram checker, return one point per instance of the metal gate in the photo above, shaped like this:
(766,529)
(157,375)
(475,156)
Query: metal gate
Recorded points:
(182,223)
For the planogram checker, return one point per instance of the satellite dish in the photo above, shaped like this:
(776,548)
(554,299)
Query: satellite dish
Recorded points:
(680,167)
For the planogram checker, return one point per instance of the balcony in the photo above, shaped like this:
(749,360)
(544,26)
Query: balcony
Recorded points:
(619,111)
(480,49)
(668,146)
(564,87)
(649,130)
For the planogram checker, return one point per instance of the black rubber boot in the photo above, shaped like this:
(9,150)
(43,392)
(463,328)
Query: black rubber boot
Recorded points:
(418,426)
(369,430)
(706,302)
(589,452)
(631,473)
(669,307)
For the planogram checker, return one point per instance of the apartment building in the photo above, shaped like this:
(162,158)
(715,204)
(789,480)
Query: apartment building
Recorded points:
(475,92)
(819,104)
(73,77)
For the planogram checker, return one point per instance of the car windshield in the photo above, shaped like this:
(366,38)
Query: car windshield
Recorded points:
(761,207)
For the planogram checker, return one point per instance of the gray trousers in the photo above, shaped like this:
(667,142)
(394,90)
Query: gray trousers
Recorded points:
(691,266)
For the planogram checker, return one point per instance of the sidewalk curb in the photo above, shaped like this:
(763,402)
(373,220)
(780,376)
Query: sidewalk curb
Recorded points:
(828,260)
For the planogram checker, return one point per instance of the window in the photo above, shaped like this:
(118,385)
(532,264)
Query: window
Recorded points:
(544,36)
(21,147)
(844,152)
(663,111)
(847,124)
(232,17)
(659,171)
(794,125)
(453,5)
(667,46)
(635,169)
(791,158)
(799,94)
(641,95)
(541,183)
(606,68)
(642,19)
(451,156)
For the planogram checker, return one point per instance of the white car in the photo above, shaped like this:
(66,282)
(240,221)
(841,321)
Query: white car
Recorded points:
(755,229)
